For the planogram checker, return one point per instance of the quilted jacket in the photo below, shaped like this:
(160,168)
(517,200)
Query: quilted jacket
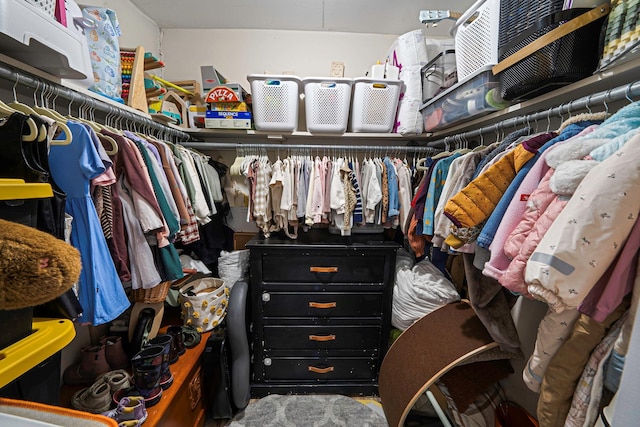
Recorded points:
(542,209)
(585,238)
(474,203)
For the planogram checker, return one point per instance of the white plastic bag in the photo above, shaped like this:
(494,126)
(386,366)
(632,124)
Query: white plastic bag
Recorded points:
(233,266)
(419,289)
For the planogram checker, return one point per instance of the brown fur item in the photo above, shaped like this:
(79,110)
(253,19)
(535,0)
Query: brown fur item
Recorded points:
(35,267)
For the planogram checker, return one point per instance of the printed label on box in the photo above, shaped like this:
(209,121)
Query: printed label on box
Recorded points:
(210,114)
(222,94)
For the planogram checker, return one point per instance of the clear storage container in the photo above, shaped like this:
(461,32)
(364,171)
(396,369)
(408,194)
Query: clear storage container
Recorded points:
(476,95)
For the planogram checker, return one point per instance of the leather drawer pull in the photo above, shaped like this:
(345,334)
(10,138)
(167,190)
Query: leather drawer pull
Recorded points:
(322,337)
(322,304)
(323,269)
(320,370)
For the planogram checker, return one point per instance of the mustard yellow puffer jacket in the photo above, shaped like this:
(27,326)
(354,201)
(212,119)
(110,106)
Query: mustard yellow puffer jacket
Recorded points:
(472,205)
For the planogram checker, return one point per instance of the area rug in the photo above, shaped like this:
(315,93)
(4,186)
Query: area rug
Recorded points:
(331,410)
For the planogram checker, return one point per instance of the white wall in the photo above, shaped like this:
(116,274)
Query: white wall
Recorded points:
(137,28)
(236,53)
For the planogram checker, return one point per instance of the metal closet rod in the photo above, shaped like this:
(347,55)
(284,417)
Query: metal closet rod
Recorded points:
(27,80)
(317,147)
(616,94)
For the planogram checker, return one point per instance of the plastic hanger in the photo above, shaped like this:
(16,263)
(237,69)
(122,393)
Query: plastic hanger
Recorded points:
(61,122)
(6,111)
(25,109)
(113,149)
(108,126)
(481,146)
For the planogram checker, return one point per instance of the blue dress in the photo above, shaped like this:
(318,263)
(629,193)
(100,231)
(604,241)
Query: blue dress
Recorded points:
(72,167)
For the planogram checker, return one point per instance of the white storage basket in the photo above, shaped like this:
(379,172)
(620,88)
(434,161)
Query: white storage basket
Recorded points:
(47,6)
(276,101)
(327,104)
(476,40)
(374,105)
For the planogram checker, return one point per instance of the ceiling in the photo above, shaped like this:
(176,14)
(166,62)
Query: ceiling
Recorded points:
(355,16)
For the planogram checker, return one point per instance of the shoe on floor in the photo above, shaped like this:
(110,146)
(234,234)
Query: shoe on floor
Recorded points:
(95,399)
(130,408)
(92,364)
(117,379)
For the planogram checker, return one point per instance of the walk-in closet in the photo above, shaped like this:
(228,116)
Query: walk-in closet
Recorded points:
(324,213)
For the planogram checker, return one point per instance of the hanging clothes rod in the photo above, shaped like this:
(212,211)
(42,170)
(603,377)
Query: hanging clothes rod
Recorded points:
(316,147)
(612,95)
(30,81)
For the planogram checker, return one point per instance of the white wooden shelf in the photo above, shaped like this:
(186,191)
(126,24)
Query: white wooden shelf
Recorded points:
(617,74)
(260,137)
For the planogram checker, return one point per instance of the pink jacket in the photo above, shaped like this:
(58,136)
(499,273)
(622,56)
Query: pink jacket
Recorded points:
(499,261)
(543,207)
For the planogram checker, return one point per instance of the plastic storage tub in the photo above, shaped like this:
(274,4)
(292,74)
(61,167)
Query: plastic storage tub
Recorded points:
(30,34)
(439,74)
(476,37)
(571,58)
(276,101)
(374,105)
(476,95)
(327,103)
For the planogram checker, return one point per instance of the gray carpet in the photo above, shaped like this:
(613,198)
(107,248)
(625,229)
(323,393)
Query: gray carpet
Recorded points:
(330,410)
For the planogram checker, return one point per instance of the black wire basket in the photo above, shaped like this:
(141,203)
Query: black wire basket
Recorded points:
(566,60)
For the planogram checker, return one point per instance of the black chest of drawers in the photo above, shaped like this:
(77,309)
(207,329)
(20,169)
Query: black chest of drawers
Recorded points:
(321,310)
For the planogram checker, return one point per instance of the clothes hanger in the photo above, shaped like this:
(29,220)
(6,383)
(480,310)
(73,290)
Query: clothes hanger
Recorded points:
(112,149)
(6,111)
(464,146)
(109,123)
(44,110)
(481,146)
(26,110)
(35,133)
(60,120)
(81,117)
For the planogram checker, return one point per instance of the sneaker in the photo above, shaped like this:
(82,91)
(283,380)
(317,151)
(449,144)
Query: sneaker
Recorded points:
(129,409)
(117,379)
(95,399)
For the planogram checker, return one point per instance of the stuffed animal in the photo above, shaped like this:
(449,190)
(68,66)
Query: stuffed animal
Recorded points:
(35,267)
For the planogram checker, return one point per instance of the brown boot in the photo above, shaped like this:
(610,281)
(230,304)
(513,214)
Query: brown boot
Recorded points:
(93,363)
(116,357)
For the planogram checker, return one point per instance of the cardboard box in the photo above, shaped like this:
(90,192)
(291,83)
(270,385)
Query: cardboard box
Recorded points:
(229,106)
(240,239)
(227,120)
(227,93)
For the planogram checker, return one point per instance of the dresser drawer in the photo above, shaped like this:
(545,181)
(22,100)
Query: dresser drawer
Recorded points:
(320,368)
(324,304)
(314,267)
(343,337)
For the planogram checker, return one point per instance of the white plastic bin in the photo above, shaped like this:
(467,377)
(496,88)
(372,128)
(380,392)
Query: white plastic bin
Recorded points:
(374,105)
(276,101)
(476,37)
(327,104)
(29,34)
